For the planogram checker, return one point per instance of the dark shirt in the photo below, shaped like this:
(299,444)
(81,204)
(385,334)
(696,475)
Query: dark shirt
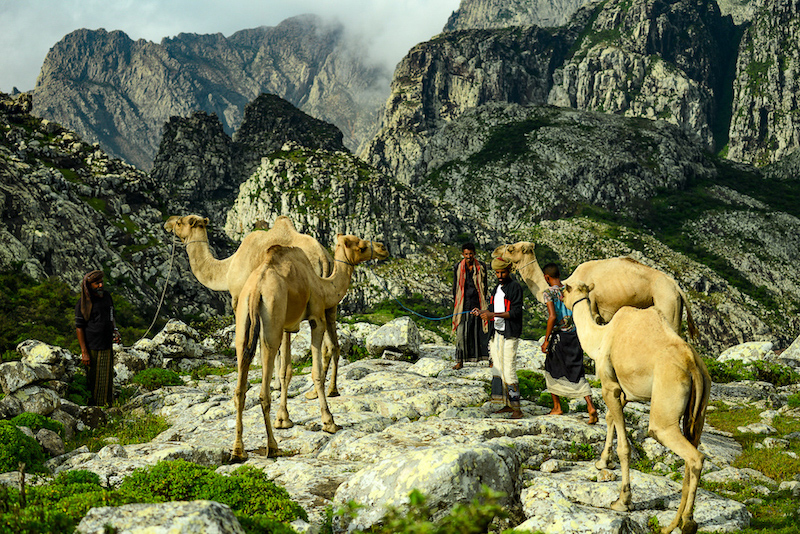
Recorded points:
(471,295)
(513,305)
(99,329)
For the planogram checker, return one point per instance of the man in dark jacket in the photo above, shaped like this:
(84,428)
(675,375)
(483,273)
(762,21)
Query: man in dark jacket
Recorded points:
(470,291)
(97,332)
(505,321)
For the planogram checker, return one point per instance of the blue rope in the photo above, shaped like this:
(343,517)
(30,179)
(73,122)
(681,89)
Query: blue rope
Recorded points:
(404,306)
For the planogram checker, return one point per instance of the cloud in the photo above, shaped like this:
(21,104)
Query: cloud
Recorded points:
(388,28)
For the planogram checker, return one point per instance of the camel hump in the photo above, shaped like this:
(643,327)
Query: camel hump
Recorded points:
(284,223)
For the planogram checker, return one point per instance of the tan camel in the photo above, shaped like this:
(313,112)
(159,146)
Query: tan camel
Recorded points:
(231,273)
(276,297)
(618,282)
(639,357)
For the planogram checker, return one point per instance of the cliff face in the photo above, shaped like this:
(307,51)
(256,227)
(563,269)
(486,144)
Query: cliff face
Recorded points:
(120,92)
(765,123)
(485,14)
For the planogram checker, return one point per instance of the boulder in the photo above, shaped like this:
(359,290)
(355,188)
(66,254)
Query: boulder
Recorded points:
(400,335)
(175,517)
(39,400)
(50,442)
(446,475)
(746,352)
(17,375)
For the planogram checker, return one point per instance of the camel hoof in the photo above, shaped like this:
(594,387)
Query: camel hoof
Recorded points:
(689,527)
(601,464)
(238,457)
(311,395)
(619,506)
(273,452)
(333,393)
(283,423)
(331,428)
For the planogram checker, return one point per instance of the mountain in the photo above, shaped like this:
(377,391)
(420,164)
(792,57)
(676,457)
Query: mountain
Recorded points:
(486,14)
(119,92)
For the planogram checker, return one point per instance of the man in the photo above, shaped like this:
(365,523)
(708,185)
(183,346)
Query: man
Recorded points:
(505,314)
(469,292)
(97,332)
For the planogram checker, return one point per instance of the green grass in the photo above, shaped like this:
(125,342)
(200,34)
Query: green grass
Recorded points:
(127,427)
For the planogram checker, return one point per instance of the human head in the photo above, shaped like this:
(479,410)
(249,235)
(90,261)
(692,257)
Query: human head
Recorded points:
(468,252)
(502,269)
(551,273)
(92,283)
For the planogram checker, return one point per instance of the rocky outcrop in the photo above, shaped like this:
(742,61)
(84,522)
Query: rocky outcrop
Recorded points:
(485,14)
(652,59)
(119,92)
(439,80)
(765,125)
(425,426)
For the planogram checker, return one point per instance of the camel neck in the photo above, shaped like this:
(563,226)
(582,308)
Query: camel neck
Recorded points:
(208,270)
(590,334)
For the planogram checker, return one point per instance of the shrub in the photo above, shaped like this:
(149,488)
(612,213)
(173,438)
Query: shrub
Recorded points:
(531,384)
(36,422)
(247,490)
(16,447)
(128,428)
(155,378)
(794,400)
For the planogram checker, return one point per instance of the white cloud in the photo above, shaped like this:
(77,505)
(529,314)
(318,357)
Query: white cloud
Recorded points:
(389,28)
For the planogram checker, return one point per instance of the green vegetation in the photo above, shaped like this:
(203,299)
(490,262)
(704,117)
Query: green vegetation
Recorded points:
(125,427)
(45,310)
(735,371)
(156,378)
(16,448)
(508,142)
(36,422)
(258,504)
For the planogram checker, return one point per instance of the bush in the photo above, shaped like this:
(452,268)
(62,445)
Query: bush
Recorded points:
(36,422)
(763,371)
(247,490)
(155,378)
(16,447)
(793,401)
(531,384)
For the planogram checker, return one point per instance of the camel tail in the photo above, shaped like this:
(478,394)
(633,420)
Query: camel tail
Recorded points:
(691,327)
(695,415)
(252,325)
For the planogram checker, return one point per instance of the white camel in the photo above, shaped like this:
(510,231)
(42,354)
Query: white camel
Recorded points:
(276,297)
(618,282)
(231,273)
(639,357)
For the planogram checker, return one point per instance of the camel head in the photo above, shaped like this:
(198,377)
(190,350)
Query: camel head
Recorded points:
(575,291)
(183,227)
(513,252)
(356,250)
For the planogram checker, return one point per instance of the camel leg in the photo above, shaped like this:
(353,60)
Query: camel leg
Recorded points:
(604,461)
(665,413)
(282,419)
(266,397)
(332,351)
(612,394)
(238,453)
(317,332)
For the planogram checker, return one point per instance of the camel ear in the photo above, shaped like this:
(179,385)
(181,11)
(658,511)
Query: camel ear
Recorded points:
(591,286)
(170,223)
(528,248)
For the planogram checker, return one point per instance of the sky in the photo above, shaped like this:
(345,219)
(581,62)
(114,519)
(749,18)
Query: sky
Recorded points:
(29,28)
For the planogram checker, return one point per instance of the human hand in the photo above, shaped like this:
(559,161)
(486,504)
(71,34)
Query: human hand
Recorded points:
(117,337)
(85,358)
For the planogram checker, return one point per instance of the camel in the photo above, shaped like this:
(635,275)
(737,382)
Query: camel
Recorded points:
(231,273)
(276,297)
(618,282)
(639,357)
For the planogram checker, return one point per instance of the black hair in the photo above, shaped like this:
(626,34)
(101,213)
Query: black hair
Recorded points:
(468,246)
(551,270)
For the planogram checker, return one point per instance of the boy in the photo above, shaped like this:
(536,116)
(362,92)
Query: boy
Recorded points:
(563,366)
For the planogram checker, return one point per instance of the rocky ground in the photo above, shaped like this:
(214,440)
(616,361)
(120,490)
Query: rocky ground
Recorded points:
(420,424)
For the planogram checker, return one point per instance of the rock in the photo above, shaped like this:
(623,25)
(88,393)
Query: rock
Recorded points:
(480,14)
(399,335)
(445,475)
(746,352)
(175,517)
(35,399)
(17,375)
(50,442)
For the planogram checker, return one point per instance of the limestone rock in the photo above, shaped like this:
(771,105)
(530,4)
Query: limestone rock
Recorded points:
(746,352)
(36,399)
(175,517)
(401,335)
(501,14)
(16,375)
(764,126)
(446,475)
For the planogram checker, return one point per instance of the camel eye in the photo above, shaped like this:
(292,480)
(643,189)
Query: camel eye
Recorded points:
(363,249)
